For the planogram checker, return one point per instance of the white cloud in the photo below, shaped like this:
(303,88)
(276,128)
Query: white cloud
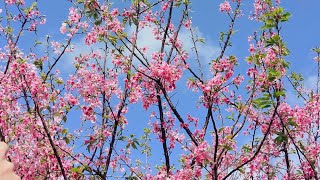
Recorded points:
(311,82)
(207,51)
(146,38)
(81,48)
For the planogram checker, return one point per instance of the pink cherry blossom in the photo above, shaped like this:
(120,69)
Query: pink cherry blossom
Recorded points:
(225,7)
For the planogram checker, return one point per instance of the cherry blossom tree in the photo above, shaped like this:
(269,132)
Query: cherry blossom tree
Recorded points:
(247,128)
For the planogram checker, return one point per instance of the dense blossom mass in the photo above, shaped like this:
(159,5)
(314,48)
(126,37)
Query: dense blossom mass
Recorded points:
(67,113)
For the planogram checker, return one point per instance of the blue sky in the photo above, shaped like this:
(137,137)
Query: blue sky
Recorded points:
(301,34)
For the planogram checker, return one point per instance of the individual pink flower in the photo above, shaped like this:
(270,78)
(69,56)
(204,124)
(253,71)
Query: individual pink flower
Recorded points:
(317,58)
(43,21)
(264,128)
(114,12)
(237,80)
(72,100)
(187,24)
(63,28)
(225,7)
(251,49)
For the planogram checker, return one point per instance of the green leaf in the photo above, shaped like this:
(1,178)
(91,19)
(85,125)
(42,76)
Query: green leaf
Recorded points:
(202,40)
(36,42)
(279,94)
(241,170)
(177,4)
(59,81)
(227,147)
(21,61)
(273,74)
(113,39)
(135,21)
(269,23)
(249,59)
(122,138)
(38,64)
(64,131)
(186,2)
(98,22)
(129,74)
(246,148)
(9,30)
(66,139)
(301,145)
(124,21)
(135,2)
(276,12)
(43,75)
(95,16)
(274,40)
(131,178)
(285,64)
(134,146)
(75,169)
(263,102)
(281,138)
(231,117)
(269,2)
(229,136)
(296,77)
(64,118)
(292,122)
(285,17)
(299,172)
(192,79)
(317,50)
(34,4)
(78,169)
(146,130)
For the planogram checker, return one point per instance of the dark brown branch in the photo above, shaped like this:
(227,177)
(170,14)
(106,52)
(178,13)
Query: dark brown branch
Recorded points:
(57,59)
(163,135)
(226,43)
(122,103)
(167,27)
(56,154)
(177,114)
(215,167)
